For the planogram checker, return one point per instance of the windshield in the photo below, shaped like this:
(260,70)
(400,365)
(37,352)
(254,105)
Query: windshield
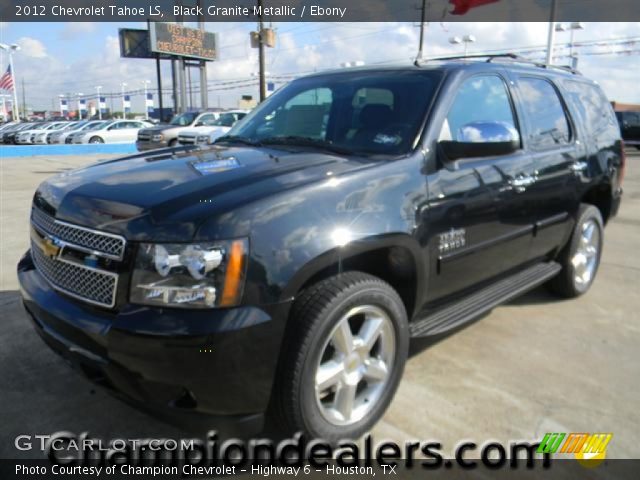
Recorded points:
(184,119)
(355,112)
(225,120)
(93,126)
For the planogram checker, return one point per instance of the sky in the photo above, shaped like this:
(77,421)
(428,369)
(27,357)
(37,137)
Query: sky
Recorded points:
(71,58)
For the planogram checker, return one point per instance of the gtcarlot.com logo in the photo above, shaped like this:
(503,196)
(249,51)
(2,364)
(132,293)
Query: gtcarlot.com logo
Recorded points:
(589,449)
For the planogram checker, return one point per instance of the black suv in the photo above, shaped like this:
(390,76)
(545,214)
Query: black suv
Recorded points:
(283,270)
(630,127)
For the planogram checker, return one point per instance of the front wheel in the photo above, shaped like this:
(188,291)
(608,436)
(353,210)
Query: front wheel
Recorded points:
(344,356)
(96,140)
(581,257)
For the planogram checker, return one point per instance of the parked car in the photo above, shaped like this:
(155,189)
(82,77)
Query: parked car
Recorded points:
(117,131)
(9,135)
(42,137)
(167,135)
(305,248)
(28,136)
(60,137)
(210,130)
(630,128)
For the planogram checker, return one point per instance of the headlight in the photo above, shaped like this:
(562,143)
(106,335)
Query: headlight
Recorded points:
(202,139)
(157,138)
(190,276)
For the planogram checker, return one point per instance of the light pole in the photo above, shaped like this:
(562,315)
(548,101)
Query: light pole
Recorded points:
(571,27)
(466,40)
(145,83)
(124,115)
(98,88)
(12,49)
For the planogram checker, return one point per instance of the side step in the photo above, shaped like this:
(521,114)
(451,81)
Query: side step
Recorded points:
(477,303)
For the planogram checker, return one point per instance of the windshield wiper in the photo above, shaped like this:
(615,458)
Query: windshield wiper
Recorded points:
(306,142)
(237,139)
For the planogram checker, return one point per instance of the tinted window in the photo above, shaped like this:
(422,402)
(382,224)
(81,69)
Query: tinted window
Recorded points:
(370,112)
(479,99)
(547,120)
(590,104)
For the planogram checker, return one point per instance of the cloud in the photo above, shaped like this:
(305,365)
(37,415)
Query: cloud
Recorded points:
(32,48)
(75,30)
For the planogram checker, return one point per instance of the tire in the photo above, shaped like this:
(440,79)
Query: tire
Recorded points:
(96,140)
(581,257)
(173,142)
(316,330)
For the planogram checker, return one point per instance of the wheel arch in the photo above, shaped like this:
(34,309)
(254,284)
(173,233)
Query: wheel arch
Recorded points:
(600,196)
(395,258)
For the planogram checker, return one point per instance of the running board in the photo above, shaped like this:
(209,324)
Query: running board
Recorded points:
(475,304)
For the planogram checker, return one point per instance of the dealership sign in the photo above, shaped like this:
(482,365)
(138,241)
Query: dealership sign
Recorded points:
(181,41)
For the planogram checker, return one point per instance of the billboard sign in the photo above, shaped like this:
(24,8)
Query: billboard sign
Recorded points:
(181,41)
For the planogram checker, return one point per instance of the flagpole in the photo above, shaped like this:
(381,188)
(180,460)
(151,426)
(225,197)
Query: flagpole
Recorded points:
(15,110)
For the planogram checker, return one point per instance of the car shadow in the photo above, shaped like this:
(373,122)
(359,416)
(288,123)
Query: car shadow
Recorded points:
(537,296)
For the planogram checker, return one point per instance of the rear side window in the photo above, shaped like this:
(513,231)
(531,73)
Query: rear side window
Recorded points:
(548,123)
(591,105)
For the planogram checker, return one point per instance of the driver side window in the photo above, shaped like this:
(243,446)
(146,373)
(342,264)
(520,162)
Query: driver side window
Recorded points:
(479,99)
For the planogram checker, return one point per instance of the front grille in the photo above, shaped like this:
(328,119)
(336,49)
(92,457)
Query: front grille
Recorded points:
(143,137)
(77,281)
(187,140)
(110,245)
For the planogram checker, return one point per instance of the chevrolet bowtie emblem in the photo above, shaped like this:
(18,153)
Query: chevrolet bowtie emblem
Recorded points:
(47,244)
(49,247)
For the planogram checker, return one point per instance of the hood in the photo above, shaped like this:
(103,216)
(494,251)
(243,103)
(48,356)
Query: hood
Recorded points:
(166,197)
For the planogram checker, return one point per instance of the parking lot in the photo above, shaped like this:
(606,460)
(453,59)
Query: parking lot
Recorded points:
(535,365)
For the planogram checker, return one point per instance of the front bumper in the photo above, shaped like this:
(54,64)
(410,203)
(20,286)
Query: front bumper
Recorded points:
(184,366)
(151,145)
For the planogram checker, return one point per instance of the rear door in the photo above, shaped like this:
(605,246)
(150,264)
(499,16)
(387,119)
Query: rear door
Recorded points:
(480,217)
(558,155)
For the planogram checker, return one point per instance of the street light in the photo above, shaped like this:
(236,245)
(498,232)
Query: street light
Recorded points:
(98,88)
(145,83)
(466,40)
(122,85)
(14,47)
(571,27)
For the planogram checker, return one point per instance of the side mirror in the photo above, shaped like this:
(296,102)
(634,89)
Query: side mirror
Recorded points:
(481,139)
(199,124)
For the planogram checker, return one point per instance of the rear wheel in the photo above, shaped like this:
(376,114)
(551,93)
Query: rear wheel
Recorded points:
(581,257)
(96,140)
(344,356)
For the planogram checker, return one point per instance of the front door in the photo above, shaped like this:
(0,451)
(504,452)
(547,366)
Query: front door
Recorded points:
(480,219)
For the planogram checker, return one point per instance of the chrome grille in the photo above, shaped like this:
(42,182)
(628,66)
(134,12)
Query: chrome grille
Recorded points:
(186,140)
(84,283)
(110,245)
(144,137)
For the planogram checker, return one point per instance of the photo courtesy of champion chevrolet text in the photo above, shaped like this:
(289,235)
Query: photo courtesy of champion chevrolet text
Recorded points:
(319,239)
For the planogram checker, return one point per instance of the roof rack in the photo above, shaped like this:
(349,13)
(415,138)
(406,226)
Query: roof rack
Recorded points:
(515,58)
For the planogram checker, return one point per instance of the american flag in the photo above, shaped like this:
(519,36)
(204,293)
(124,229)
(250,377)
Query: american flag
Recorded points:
(6,81)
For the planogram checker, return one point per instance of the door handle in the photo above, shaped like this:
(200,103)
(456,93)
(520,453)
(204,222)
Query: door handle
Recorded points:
(578,167)
(521,182)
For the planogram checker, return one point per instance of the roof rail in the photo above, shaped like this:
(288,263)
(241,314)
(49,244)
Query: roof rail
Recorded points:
(513,57)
